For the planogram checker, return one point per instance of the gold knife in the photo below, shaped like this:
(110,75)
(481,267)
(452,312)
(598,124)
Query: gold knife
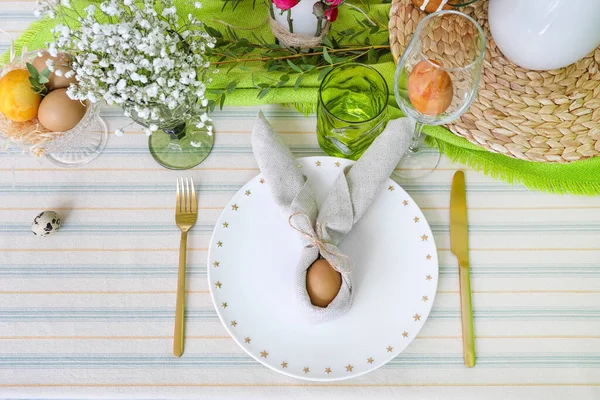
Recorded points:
(459,244)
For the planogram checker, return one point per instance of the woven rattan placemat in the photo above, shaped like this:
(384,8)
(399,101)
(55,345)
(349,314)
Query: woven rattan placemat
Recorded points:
(548,116)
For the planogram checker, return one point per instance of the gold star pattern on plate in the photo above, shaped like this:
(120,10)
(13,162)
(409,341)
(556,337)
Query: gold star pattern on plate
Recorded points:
(262,181)
(425,298)
(216,264)
(417,317)
(405,202)
(318,163)
(428,257)
(225,224)
(405,334)
(234,207)
(219,244)
(370,360)
(264,354)
(391,188)
(218,285)
(327,370)
(424,238)
(349,368)
(306,370)
(338,164)
(416,219)
(389,349)
(234,323)
(248,193)
(224,304)
(428,277)
(284,365)
(247,340)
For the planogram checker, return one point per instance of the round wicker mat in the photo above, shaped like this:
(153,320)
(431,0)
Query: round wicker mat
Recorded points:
(548,116)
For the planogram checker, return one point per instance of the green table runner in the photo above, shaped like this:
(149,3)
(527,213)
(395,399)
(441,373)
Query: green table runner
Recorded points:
(582,177)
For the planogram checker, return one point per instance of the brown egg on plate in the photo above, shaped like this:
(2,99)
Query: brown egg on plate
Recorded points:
(58,113)
(430,88)
(62,62)
(322,283)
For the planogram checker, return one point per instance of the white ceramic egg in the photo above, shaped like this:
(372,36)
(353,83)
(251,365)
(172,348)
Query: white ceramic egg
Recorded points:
(45,224)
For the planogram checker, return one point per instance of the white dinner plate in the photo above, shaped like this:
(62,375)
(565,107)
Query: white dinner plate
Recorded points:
(251,261)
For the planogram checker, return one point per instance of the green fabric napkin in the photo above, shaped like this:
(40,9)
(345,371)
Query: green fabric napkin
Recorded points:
(582,177)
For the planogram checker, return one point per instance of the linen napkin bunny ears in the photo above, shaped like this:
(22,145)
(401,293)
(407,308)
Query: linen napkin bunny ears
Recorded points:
(322,230)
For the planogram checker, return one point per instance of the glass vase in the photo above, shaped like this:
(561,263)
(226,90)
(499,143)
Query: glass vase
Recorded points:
(177,144)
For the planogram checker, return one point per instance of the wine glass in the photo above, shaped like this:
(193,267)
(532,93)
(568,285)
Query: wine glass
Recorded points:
(436,80)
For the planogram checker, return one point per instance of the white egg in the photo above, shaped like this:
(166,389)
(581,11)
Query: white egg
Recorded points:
(45,224)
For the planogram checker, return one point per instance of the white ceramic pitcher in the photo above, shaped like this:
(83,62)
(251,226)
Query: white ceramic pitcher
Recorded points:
(545,34)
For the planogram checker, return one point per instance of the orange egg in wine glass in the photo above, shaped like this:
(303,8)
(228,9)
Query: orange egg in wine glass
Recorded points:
(435,83)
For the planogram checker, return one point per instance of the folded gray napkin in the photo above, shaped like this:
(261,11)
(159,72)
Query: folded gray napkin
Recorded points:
(322,230)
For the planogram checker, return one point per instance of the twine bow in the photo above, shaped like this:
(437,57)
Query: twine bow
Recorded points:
(327,250)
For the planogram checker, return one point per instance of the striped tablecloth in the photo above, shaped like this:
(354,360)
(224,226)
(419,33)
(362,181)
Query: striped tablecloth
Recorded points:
(88,313)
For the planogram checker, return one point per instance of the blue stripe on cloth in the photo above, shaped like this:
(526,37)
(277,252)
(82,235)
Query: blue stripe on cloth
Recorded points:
(206,228)
(477,270)
(27,314)
(133,360)
(135,189)
(21,16)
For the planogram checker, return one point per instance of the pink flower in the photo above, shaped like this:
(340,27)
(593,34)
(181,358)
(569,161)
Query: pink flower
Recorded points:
(335,3)
(285,4)
(331,14)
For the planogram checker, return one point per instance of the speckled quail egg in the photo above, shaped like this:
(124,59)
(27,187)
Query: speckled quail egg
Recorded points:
(45,224)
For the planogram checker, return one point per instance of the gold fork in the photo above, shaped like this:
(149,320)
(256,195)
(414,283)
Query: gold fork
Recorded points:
(186,212)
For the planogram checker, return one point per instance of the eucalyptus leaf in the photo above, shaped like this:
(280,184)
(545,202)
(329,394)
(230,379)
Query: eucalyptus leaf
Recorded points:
(298,82)
(326,56)
(323,73)
(263,92)
(213,32)
(211,105)
(231,86)
(327,42)
(294,66)
(231,67)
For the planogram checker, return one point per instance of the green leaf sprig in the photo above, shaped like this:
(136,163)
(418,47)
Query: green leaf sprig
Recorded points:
(38,80)
(233,52)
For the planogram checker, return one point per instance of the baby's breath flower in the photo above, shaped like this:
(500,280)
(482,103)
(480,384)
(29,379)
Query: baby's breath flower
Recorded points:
(126,53)
(50,64)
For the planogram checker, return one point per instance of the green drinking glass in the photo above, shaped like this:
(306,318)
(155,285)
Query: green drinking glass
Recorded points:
(352,110)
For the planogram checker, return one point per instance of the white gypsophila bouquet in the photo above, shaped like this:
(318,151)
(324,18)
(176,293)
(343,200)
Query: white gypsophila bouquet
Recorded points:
(140,55)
